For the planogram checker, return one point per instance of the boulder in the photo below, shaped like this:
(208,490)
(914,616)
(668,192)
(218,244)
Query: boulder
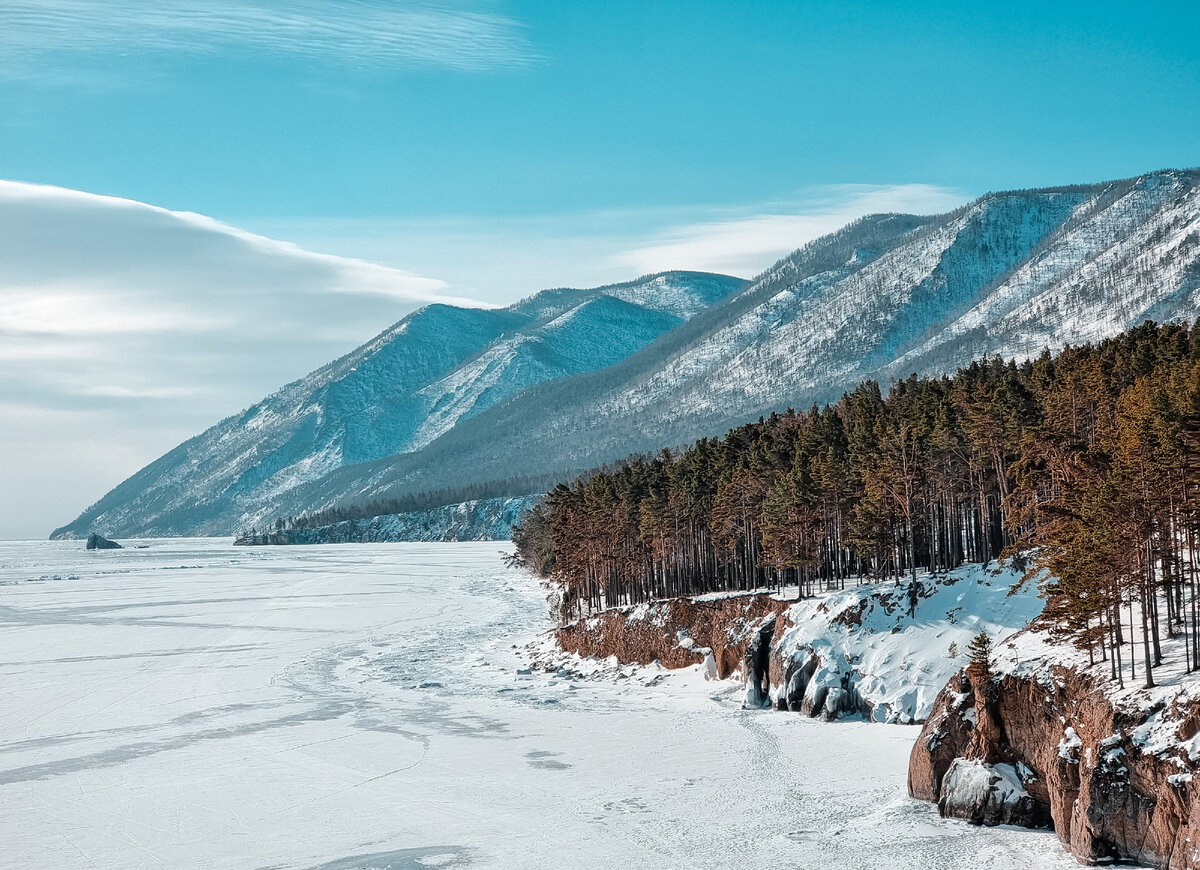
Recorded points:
(991,794)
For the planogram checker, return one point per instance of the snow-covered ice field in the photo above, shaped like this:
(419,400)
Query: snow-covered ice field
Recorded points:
(193,705)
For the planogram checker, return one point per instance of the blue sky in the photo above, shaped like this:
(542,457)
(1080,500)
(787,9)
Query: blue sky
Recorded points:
(341,121)
(481,150)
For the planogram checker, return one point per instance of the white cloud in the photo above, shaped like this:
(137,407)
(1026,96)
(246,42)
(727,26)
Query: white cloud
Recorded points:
(748,241)
(125,318)
(356,33)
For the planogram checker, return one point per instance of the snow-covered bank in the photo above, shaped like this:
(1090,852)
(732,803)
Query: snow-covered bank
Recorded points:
(883,651)
(192,705)
(1051,738)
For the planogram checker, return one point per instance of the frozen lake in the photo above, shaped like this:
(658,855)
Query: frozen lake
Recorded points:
(196,705)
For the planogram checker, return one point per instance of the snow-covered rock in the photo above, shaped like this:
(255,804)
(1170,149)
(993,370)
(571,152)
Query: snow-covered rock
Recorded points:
(990,794)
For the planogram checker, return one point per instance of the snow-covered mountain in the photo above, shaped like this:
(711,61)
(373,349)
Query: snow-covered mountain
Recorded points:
(1011,273)
(396,394)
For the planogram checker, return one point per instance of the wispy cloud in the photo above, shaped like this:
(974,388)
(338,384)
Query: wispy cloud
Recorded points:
(501,258)
(381,34)
(746,241)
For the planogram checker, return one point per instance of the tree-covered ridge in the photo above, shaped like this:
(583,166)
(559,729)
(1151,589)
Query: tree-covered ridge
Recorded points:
(1087,460)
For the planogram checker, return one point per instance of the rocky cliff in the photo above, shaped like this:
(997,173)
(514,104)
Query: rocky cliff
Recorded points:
(1049,740)
(1044,739)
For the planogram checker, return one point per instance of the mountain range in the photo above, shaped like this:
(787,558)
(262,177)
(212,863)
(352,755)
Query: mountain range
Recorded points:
(491,403)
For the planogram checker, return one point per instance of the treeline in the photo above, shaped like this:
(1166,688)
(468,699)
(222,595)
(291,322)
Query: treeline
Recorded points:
(1088,461)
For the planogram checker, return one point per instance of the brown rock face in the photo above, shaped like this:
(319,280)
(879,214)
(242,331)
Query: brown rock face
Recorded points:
(653,631)
(1074,755)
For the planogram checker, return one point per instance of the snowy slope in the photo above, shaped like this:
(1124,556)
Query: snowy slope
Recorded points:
(395,394)
(1012,274)
(867,644)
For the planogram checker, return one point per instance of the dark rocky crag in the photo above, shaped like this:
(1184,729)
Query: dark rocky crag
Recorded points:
(99,542)
(1053,749)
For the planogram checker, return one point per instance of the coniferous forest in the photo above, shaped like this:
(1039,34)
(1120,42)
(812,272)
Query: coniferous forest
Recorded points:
(1085,465)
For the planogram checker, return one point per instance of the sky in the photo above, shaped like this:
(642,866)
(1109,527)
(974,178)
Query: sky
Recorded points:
(354,159)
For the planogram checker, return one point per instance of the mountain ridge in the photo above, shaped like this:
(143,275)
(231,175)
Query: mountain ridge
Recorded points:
(1011,273)
(399,391)
(713,408)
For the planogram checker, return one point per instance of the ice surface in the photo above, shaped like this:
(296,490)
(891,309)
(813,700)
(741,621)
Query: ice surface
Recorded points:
(346,707)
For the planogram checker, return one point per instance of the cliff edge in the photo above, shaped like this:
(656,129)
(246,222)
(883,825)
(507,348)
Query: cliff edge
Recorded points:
(1047,738)
(881,651)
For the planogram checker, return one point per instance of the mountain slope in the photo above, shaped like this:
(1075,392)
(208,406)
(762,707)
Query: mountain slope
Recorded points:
(397,393)
(1010,274)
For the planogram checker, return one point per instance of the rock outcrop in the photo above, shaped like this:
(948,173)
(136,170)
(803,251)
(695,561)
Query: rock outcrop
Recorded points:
(735,634)
(99,542)
(676,632)
(1053,747)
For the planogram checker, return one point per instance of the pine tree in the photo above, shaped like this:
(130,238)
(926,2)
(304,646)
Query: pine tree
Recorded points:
(980,652)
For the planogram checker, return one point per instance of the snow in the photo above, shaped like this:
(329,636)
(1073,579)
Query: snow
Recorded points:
(192,705)
(899,663)
(1068,747)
